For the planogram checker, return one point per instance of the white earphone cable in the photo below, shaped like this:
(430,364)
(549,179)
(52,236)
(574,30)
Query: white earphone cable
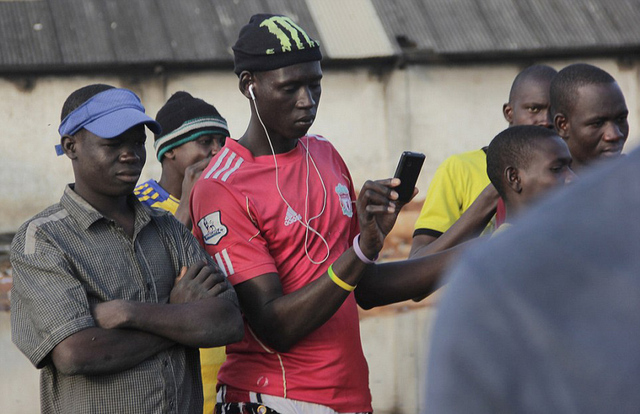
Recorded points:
(304,221)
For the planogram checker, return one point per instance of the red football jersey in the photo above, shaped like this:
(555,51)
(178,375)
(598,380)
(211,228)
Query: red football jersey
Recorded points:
(252,226)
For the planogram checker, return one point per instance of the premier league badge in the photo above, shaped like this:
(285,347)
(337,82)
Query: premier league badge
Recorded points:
(212,228)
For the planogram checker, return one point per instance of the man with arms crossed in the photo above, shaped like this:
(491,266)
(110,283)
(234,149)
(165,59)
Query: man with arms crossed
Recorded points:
(95,301)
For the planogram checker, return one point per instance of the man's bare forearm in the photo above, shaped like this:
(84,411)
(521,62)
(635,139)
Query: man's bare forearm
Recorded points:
(468,226)
(283,320)
(203,323)
(402,280)
(97,351)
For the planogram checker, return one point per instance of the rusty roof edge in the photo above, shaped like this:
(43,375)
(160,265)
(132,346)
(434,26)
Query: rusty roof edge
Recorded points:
(426,57)
(399,60)
(160,67)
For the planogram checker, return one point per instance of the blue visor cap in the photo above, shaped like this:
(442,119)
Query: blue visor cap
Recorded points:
(108,114)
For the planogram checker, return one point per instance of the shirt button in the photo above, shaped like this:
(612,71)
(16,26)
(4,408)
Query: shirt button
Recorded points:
(165,363)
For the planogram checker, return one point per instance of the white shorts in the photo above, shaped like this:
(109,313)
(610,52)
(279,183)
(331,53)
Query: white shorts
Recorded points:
(284,405)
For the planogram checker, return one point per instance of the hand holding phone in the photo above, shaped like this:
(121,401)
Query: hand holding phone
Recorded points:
(407,171)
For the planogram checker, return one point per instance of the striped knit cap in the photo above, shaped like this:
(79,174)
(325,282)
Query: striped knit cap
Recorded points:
(271,42)
(185,118)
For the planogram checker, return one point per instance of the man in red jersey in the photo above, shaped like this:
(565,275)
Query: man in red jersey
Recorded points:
(276,210)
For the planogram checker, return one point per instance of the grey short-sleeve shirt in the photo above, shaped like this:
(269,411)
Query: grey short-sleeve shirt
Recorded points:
(69,257)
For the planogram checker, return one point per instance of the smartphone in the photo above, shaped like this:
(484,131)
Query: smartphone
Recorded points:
(407,171)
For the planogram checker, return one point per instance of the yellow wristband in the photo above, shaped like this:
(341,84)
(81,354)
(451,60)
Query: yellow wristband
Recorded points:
(344,285)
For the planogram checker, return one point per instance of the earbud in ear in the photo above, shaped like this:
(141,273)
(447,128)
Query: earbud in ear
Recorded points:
(251,92)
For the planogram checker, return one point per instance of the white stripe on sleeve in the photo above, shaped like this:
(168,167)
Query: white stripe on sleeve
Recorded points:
(227,259)
(225,151)
(231,171)
(226,166)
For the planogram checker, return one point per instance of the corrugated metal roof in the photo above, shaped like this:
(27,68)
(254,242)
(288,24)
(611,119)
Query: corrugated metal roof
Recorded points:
(100,34)
(122,31)
(355,32)
(196,29)
(27,35)
(507,27)
(106,33)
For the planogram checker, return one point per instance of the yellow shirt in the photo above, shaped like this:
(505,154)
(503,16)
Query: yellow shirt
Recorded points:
(455,186)
(151,194)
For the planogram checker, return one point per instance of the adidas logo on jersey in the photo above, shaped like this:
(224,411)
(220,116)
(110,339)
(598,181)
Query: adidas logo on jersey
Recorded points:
(291,217)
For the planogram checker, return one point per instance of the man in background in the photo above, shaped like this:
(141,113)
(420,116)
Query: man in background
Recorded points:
(525,162)
(462,178)
(192,132)
(590,114)
(543,318)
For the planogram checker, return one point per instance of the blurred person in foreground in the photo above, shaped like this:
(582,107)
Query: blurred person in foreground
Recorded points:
(544,317)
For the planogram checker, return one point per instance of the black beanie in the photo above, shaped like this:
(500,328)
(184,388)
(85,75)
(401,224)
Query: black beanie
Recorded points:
(271,42)
(184,118)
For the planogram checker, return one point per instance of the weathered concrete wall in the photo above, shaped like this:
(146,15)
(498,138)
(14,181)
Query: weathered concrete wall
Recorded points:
(371,117)
(19,386)
(396,348)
